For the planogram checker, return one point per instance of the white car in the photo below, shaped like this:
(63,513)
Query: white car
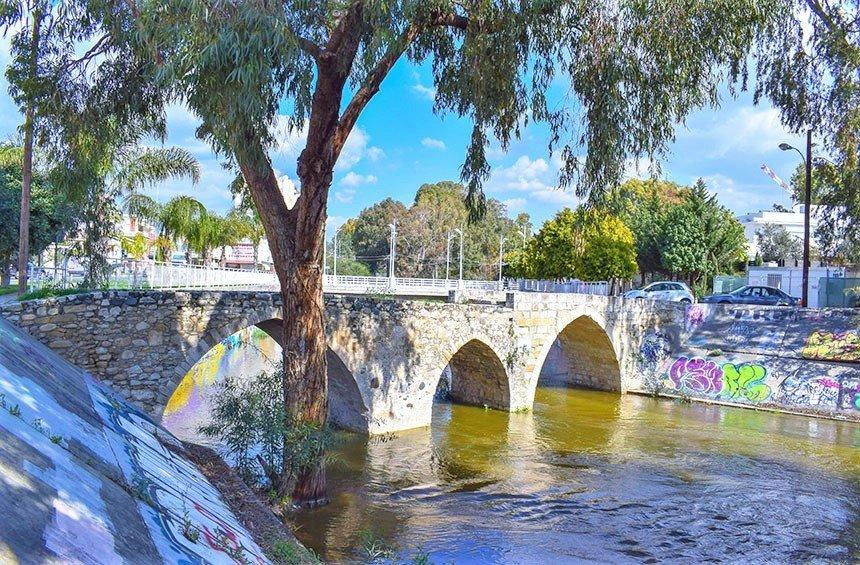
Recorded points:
(664,290)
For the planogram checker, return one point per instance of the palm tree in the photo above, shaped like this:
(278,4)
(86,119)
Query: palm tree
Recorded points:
(177,220)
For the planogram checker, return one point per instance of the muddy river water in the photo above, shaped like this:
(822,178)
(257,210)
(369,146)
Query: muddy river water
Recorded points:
(595,476)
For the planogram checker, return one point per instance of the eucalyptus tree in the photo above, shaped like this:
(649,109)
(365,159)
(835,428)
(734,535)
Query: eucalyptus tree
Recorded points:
(634,68)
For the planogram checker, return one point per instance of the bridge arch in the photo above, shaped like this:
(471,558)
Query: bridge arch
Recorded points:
(583,355)
(478,376)
(346,405)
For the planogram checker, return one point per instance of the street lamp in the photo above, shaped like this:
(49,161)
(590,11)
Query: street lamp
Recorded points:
(501,254)
(807,203)
(393,227)
(334,245)
(448,257)
(461,255)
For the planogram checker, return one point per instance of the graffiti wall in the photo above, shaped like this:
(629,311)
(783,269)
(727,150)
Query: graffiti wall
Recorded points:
(88,478)
(805,360)
(247,352)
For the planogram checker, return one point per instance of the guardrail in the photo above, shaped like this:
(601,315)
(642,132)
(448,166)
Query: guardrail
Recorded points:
(168,276)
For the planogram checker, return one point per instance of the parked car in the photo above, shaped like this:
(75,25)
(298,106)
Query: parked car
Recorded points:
(663,290)
(765,295)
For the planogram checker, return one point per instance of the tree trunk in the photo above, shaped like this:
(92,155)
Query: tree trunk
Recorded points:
(27,166)
(295,240)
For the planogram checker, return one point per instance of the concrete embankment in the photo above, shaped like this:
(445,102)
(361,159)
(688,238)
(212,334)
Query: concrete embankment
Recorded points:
(796,360)
(87,478)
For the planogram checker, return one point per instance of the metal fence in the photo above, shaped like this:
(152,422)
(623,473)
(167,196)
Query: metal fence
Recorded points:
(168,276)
(843,292)
(727,283)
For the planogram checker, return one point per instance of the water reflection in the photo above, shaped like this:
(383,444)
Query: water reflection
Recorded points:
(592,475)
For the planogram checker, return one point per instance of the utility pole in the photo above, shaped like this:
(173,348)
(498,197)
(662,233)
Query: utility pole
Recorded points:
(806,212)
(807,205)
(501,255)
(459,231)
(334,244)
(393,226)
(448,258)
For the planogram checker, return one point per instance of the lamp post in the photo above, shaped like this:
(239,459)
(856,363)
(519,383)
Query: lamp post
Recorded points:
(501,255)
(459,231)
(807,203)
(334,245)
(393,227)
(448,257)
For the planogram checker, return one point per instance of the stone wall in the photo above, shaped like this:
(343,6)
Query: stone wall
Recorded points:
(391,353)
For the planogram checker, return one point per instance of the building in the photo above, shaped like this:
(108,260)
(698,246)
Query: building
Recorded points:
(792,222)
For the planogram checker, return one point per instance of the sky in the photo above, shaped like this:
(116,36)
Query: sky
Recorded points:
(399,144)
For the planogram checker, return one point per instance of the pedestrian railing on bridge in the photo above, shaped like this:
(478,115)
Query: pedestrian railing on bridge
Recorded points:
(169,276)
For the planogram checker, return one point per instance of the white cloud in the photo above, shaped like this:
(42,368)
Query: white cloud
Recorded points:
(375,153)
(427,92)
(514,204)
(344,196)
(749,129)
(742,198)
(354,179)
(525,175)
(289,190)
(431,143)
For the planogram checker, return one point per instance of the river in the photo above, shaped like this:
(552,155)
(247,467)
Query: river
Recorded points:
(595,476)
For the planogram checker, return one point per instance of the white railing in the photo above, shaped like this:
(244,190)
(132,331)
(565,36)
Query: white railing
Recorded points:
(168,276)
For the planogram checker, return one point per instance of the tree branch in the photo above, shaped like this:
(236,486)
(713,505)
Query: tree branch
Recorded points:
(371,85)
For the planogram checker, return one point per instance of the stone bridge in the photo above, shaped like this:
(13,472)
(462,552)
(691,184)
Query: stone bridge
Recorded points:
(385,357)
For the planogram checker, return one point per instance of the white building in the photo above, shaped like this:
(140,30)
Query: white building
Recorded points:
(791,221)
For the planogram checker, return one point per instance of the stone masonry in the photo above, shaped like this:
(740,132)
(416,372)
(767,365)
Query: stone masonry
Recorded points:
(391,352)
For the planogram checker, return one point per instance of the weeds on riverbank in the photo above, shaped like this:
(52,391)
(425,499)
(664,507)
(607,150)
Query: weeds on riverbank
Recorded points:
(270,447)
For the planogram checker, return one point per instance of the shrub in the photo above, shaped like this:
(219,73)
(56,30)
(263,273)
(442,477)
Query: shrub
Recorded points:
(270,448)
(50,291)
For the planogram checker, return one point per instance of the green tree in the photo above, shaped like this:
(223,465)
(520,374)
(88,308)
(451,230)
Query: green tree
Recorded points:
(776,244)
(700,238)
(586,244)
(136,246)
(493,63)
(810,69)
(371,235)
(52,216)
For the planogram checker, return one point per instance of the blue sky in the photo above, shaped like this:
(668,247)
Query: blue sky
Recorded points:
(400,143)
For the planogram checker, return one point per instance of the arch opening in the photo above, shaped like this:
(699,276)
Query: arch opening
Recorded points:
(582,356)
(475,375)
(241,356)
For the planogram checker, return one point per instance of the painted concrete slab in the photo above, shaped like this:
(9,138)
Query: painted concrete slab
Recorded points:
(87,478)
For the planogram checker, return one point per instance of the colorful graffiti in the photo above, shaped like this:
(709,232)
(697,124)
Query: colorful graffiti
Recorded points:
(833,346)
(728,381)
(98,444)
(695,374)
(655,349)
(246,352)
(823,393)
(696,315)
(745,381)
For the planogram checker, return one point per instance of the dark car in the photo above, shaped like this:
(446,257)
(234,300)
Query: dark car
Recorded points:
(764,295)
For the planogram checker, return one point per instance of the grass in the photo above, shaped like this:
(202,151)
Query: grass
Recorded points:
(8,289)
(50,292)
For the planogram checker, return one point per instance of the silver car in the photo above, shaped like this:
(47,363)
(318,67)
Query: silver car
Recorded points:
(672,291)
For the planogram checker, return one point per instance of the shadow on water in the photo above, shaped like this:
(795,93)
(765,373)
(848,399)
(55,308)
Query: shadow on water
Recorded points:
(595,475)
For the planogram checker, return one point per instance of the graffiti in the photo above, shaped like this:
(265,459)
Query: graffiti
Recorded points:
(820,392)
(67,405)
(173,488)
(729,381)
(696,316)
(695,374)
(247,352)
(745,381)
(833,346)
(655,348)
